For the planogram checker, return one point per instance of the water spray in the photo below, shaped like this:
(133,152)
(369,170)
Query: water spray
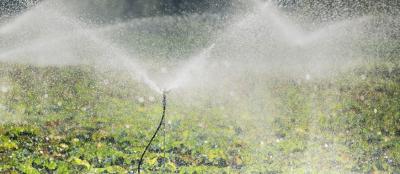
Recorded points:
(181,79)
(162,123)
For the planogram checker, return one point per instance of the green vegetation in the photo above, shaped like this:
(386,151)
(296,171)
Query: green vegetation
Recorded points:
(69,120)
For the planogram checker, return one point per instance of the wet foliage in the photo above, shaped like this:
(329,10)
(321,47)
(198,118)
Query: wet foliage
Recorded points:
(66,120)
(73,123)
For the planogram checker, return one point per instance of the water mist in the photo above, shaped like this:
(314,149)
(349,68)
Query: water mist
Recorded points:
(232,82)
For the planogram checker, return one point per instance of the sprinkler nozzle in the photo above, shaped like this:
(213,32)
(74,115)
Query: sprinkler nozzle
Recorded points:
(165,91)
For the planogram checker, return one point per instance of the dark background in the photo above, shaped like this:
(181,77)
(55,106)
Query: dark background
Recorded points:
(146,8)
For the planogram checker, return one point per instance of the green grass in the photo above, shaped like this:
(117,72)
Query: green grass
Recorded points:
(68,120)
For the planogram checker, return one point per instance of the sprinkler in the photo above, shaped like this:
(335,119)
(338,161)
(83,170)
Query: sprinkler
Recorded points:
(162,123)
(164,93)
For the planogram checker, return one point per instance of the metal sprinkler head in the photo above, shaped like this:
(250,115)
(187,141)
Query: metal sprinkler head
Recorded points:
(165,91)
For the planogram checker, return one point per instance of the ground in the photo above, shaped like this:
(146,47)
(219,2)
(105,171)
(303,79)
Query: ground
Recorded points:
(68,120)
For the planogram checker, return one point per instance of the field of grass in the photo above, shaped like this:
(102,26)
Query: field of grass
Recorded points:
(69,120)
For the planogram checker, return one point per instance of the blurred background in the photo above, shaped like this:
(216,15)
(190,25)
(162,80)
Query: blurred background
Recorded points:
(118,9)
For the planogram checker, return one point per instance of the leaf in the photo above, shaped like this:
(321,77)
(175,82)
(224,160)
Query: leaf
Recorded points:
(8,145)
(80,162)
(62,168)
(51,165)
(27,168)
(152,161)
(115,169)
(171,166)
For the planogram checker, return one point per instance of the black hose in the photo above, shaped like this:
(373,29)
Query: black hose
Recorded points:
(164,102)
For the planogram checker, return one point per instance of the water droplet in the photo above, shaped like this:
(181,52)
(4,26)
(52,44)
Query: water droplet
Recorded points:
(308,76)
(363,77)
(4,89)
(2,107)
(140,99)
(106,82)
